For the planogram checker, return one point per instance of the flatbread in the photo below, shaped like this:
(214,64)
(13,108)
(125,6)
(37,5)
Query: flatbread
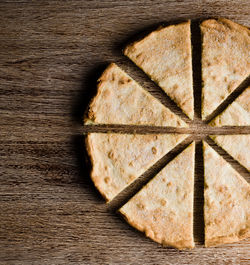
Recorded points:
(238,146)
(165,56)
(227,201)
(225,61)
(119,159)
(237,113)
(163,209)
(120,100)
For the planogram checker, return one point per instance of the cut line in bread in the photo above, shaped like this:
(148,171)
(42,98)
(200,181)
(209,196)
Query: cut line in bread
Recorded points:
(237,113)
(119,159)
(238,146)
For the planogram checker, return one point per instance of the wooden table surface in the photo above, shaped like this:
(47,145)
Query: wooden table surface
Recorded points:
(51,53)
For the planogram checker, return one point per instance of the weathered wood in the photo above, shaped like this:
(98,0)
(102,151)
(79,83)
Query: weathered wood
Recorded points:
(51,53)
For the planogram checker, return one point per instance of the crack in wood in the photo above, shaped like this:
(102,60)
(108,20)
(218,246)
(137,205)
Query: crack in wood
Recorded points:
(201,130)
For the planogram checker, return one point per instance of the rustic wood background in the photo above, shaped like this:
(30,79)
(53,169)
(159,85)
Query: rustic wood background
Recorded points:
(51,53)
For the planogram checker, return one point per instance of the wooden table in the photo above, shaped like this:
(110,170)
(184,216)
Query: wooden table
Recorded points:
(51,53)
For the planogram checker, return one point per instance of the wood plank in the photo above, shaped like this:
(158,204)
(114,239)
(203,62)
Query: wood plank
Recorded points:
(51,54)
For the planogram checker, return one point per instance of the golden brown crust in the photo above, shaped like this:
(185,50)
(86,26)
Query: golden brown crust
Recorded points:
(163,209)
(226,201)
(225,60)
(227,239)
(165,56)
(237,113)
(237,146)
(89,115)
(89,149)
(120,100)
(118,159)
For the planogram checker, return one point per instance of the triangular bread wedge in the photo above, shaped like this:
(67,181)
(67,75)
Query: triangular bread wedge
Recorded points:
(165,56)
(225,61)
(238,146)
(226,201)
(237,113)
(118,159)
(120,100)
(163,209)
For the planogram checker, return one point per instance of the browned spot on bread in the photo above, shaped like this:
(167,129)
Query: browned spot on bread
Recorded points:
(107,180)
(242,231)
(106,93)
(178,123)
(163,202)
(217,221)
(175,86)
(141,206)
(169,184)
(91,114)
(154,150)
(132,177)
(110,154)
(222,188)
(231,86)
(138,55)
(122,82)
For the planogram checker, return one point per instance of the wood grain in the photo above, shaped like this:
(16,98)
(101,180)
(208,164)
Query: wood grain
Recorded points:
(51,53)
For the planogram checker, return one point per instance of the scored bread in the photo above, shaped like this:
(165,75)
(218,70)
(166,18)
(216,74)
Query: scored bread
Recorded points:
(163,209)
(165,56)
(238,146)
(226,201)
(237,113)
(225,61)
(120,100)
(118,159)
